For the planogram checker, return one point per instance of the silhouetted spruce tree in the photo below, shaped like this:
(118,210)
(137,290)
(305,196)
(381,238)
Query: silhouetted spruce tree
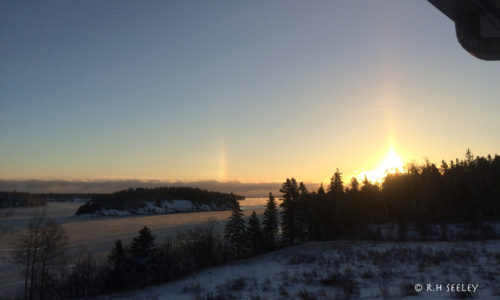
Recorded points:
(143,244)
(142,252)
(351,205)
(366,184)
(319,214)
(321,190)
(289,212)
(354,185)
(371,196)
(303,219)
(235,231)
(270,223)
(120,268)
(469,157)
(255,233)
(336,205)
(117,257)
(336,184)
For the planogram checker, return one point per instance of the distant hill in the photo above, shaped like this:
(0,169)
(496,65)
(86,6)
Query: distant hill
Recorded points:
(158,200)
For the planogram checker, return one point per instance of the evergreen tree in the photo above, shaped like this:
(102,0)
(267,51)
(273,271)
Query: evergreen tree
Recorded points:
(303,219)
(351,205)
(321,191)
(142,252)
(354,185)
(319,214)
(336,205)
(469,157)
(118,259)
(255,233)
(336,184)
(270,230)
(367,185)
(143,245)
(289,211)
(369,195)
(235,231)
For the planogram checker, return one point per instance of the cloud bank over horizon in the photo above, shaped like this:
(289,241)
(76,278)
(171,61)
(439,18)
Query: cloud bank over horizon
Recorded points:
(247,189)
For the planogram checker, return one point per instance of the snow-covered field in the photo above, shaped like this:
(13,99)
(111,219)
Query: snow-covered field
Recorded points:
(347,270)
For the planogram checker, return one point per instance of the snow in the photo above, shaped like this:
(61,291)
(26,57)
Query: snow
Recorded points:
(327,270)
(166,207)
(438,232)
(111,212)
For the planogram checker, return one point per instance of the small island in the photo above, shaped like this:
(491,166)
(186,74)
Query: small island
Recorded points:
(160,200)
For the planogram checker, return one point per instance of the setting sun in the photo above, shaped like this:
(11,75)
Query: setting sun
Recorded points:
(392,163)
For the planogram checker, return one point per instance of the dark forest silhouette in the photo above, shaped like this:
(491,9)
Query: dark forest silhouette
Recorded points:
(465,190)
(462,191)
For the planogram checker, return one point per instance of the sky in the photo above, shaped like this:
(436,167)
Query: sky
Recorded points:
(255,91)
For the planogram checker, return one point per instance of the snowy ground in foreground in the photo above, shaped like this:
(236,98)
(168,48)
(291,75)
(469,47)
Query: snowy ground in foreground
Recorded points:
(339,270)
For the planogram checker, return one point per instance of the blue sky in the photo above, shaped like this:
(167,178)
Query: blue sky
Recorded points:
(235,90)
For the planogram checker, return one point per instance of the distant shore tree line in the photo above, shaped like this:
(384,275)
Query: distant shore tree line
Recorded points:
(465,191)
(133,199)
(10,199)
(20,199)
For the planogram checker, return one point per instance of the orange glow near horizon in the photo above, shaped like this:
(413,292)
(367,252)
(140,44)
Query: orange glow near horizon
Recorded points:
(392,163)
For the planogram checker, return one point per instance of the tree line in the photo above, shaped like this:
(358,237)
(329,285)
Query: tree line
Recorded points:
(465,190)
(20,199)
